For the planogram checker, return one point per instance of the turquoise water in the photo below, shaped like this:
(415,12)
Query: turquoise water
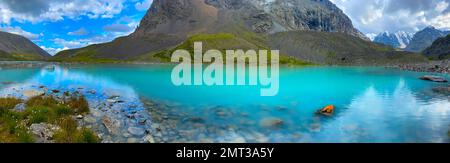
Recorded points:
(372,104)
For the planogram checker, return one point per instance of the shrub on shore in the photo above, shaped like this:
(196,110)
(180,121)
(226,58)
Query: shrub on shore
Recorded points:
(78,104)
(14,125)
(70,133)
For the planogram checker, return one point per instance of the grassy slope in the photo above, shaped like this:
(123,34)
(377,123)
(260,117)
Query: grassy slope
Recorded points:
(221,42)
(4,56)
(337,48)
(86,54)
(440,49)
(18,48)
(296,48)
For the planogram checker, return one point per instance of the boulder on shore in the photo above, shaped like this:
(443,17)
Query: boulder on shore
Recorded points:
(434,79)
(32,93)
(44,131)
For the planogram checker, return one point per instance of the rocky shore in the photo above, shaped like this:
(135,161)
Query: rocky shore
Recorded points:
(23,64)
(114,118)
(433,66)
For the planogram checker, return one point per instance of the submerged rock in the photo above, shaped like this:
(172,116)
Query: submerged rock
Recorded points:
(260,138)
(136,131)
(149,139)
(434,79)
(132,140)
(282,108)
(111,101)
(33,93)
(194,120)
(442,90)
(326,111)
(111,125)
(91,91)
(142,121)
(315,127)
(222,113)
(7,83)
(271,123)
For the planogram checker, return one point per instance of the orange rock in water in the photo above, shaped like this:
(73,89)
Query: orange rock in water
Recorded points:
(328,110)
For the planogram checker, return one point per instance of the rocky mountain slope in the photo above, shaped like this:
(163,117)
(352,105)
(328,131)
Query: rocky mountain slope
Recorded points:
(398,39)
(440,49)
(15,47)
(260,16)
(222,24)
(425,38)
(338,49)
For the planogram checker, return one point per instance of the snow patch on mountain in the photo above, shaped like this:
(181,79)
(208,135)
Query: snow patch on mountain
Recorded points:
(400,39)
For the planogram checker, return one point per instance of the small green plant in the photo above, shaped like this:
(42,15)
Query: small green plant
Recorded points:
(87,136)
(69,133)
(61,111)
(39,114)
(42,101)
(12,128)
(13,132)
(78,104)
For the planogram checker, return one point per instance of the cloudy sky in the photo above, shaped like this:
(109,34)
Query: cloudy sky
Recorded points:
(63,24)
(375,16)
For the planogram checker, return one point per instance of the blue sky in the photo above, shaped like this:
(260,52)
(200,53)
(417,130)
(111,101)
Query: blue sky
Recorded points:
(66,24)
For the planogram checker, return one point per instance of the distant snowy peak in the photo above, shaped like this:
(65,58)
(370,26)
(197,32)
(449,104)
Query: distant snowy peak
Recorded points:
(371,36)
(425,38)
(400,39)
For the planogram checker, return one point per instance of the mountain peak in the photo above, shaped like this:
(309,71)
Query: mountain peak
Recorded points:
(17,47)
(440,49)
(430,27)
(425,38)
(260,16)
(399,39)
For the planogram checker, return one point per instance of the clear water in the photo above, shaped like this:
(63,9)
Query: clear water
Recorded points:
(373,104)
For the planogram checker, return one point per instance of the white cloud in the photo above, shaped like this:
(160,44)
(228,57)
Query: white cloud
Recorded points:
(78,43)
(144,5)
(441,6)
(20,31)
(123,26)
(375,16)
(371,36)
(79,32)
(68,43)
(117,28)
(441,21)
(44,10)
(53,51)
